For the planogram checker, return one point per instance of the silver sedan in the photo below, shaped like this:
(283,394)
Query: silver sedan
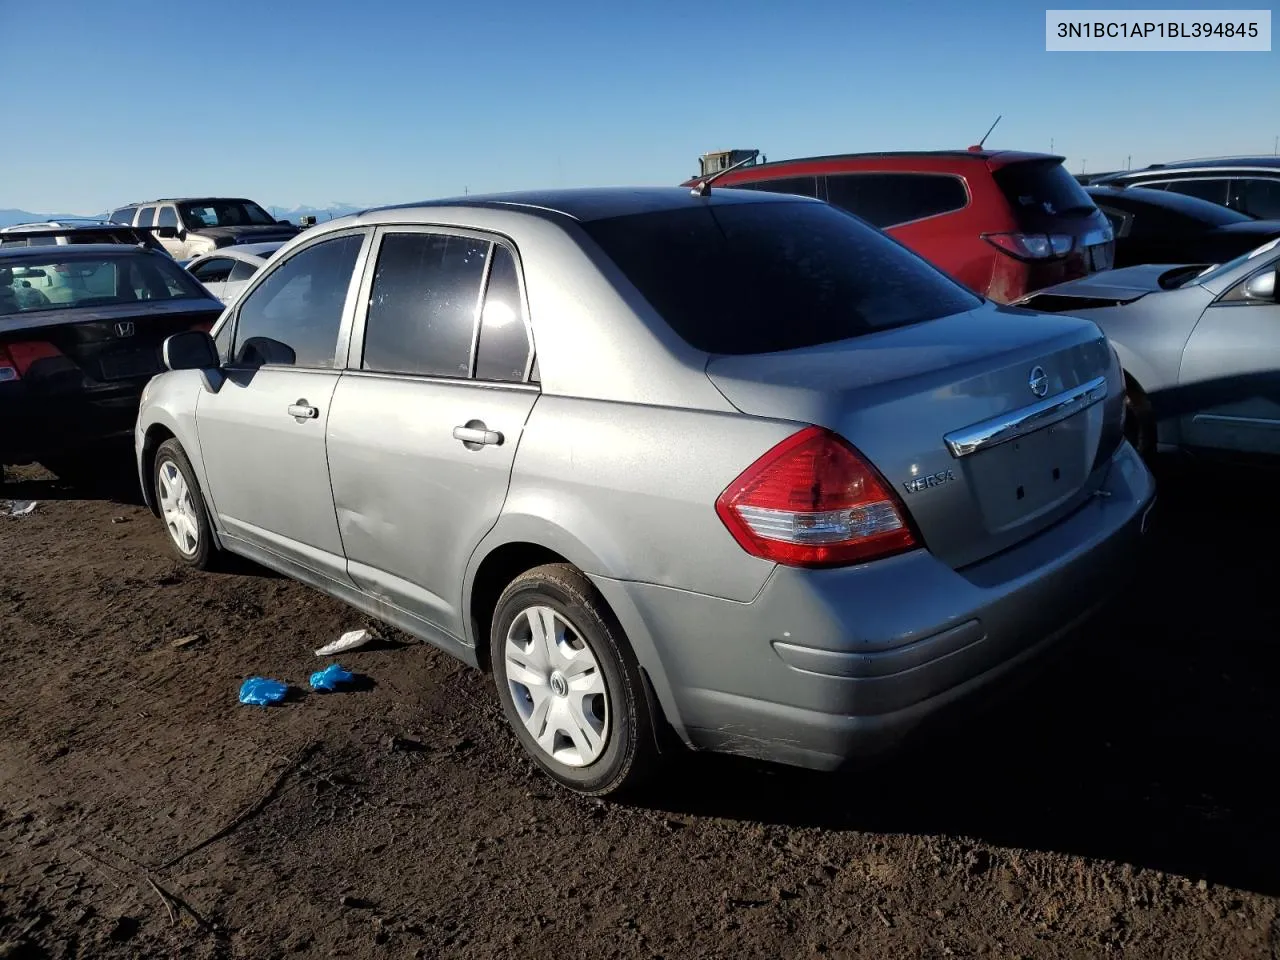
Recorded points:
(736,464)
(226,272)
(1199,345)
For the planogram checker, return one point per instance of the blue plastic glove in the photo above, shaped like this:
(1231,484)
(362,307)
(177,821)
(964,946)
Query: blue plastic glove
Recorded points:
(260,692)
(330,677)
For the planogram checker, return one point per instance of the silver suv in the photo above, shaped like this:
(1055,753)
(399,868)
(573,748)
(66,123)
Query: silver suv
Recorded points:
(737,463)
(1248,184)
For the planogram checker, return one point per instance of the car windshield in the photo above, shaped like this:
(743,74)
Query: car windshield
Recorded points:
(60,282)
(224,213)
(1043,187)
(761,277)
(1213,273)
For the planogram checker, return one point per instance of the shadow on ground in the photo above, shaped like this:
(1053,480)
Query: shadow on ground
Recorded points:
(1152,743)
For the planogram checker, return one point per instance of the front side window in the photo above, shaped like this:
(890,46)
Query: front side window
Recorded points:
(1257,196)
(213,271)
(168,217)
(502,350)
(887,199)
(422,307)
(740,278)
(59,283)
(800,186)
(294,315)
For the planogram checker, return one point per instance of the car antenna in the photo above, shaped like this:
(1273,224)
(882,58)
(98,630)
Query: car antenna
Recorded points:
(703,187)
(978,146)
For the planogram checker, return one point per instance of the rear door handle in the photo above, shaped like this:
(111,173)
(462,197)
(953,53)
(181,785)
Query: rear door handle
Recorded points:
(475,432)
(303,410)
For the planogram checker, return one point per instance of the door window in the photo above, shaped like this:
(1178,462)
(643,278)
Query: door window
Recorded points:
(294,315)
(213,271)
(800,186)
(145,216)
(168,217)
(422,307)
(502,351)
(242,270)
(1257,196)
(1215,191)
(887,199)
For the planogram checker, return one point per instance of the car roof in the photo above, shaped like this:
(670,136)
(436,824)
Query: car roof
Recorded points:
(258,251)
(80,223)
(1269,163)
(77,251)
(583,204)
(995,157)
(143,203)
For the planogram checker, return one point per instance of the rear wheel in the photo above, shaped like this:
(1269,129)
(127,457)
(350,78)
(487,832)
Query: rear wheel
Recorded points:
(1139,421)
(182,506)
(569,684)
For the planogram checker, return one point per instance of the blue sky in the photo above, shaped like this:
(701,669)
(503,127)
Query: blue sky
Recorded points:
(380,102)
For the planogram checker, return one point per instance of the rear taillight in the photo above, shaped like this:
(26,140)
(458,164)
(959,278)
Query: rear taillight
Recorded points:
(16,358)
(813,501)
(1031,246)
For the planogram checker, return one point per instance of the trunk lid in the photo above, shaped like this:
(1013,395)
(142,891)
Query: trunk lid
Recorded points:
(104,345)
(901,395)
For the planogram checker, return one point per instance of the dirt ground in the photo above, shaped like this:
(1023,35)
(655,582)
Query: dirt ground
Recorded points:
(1124,802)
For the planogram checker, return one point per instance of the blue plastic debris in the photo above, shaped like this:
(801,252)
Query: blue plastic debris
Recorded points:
(259,691)
(330,677)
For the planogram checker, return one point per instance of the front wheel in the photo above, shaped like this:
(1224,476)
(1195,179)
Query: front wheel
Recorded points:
(182,506)
(569,684)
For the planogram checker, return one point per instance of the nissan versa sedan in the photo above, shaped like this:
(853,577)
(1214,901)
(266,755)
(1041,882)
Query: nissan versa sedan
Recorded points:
(1199,348)
(735,464)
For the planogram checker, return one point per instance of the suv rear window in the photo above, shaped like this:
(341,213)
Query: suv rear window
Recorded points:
(1043,187)
(761,277)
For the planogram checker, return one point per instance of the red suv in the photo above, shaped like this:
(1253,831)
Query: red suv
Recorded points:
(1001,222)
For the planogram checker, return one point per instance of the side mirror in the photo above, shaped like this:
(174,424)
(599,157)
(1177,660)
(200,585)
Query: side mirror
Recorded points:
(190,350)
(1262,286)
(168,233)
(259,351)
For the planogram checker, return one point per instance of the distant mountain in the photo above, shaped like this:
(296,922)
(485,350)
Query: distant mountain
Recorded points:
(9,217)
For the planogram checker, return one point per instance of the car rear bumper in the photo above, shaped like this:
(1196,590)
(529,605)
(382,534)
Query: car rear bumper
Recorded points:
(828,665)
(33,427)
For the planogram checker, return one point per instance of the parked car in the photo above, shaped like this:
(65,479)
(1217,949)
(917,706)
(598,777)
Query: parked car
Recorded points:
(1248,184)
(80,334)
(1159,226)
(63,232)
(1001,222)
(1198,345)
(225,273)
(737,463)
(192,227)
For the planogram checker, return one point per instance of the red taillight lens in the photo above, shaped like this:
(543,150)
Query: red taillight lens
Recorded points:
(16,358)
(812,501)
(1031,246)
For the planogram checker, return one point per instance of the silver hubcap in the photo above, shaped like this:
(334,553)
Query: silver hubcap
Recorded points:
(557,687)
(177,509)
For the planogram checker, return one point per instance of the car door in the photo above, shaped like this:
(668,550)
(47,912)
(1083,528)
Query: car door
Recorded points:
(167,219)
(1229,382)
(1257,196)
(426,420)
(241,273)
(213,274)
(262,432)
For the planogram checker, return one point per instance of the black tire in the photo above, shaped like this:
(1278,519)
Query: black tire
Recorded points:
(630,754)
(203,555)
(1139,421)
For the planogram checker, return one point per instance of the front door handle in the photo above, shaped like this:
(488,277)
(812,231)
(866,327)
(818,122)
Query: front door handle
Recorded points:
(475,434)
(303,411)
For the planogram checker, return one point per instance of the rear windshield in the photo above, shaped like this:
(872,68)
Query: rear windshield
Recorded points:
(761,277)
(1043,187)
(58,283)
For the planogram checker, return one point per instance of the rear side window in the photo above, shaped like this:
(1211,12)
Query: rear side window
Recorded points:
(800,186)
(213,271)
(502,352)
(1215,191)
(145,216)
(168,217)
(1043,188)
(886,199)
(738,278)
(242,271)
(422,308)
(293,316)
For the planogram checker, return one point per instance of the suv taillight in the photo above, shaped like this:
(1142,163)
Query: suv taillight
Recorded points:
(813,501)
(1031,246)
(8,369)
(16,358)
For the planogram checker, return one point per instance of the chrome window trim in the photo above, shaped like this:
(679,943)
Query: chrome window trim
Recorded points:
(1019,423)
